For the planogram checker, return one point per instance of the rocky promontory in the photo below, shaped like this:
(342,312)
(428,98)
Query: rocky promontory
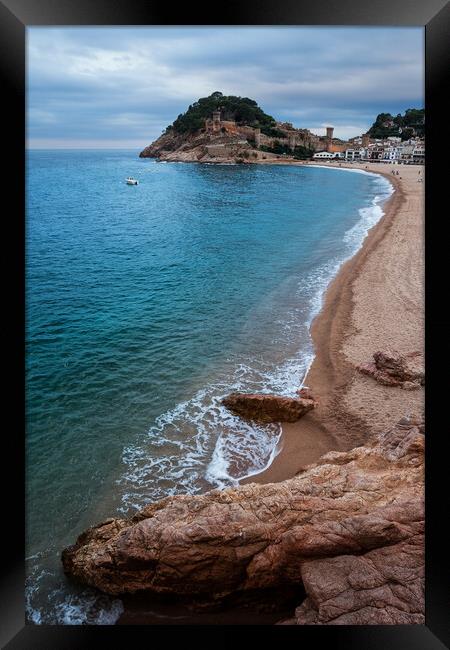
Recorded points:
(230,129)
(349,528)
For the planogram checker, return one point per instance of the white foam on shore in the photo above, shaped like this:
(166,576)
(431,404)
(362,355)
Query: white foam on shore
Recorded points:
(50,600)
(88,609)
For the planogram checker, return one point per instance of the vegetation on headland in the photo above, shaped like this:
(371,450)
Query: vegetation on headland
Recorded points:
(242,110)
(405,126)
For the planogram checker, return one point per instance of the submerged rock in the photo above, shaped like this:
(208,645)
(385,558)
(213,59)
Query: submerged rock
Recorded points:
(391,368)
(268,408)
(349,528)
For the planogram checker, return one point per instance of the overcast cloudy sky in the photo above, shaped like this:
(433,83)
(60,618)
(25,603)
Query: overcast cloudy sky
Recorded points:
(120,87)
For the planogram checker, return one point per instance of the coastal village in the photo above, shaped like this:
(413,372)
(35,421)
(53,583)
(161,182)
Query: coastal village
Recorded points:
(227,140)
(366,149)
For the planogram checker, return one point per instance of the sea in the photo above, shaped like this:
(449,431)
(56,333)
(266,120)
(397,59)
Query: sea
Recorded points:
(145,306)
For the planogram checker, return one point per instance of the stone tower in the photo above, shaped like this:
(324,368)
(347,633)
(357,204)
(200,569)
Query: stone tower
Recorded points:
(292,142)
(216,121)
(330,130)
(365,140)
(257,138)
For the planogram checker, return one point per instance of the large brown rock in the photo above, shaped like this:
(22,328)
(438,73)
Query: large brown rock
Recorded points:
(268,408)
(350,528)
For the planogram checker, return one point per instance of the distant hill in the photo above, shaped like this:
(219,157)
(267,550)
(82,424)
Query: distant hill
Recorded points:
(243,110)
(411,123)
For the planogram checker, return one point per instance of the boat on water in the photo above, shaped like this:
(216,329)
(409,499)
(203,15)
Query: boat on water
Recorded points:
(131,181)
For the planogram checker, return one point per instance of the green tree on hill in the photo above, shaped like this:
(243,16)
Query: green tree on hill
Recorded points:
(405,126)
(243,110)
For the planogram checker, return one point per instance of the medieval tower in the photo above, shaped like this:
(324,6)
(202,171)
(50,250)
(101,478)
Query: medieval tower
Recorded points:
(329,136)
(216,121)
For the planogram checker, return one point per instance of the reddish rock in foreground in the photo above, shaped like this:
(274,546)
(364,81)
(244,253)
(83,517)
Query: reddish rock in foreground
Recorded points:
(268,408)
(391,368)
(349,528)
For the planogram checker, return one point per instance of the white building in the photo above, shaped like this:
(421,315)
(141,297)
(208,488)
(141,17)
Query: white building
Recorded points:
(392,153)
(418,154)
(355,154)
(406,152)
(324,155)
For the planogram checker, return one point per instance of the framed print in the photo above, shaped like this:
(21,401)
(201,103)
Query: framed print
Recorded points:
(224,273)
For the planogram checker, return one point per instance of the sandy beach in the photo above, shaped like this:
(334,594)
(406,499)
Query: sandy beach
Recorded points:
(376,301)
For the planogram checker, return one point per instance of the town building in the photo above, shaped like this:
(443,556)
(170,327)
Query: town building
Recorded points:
(418,154)
(354,154)
(328,155)
(391,153)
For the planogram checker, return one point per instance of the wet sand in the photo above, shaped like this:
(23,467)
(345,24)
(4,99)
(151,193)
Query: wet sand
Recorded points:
(376,301)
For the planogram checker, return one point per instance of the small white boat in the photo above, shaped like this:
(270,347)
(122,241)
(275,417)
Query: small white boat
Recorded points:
(131,181)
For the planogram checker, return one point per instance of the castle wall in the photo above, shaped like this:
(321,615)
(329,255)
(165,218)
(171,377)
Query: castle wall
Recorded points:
(226,150)
(335,148)
(229,126)
(218,150)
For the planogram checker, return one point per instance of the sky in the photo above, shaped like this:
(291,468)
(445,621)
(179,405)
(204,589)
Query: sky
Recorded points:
(119,87)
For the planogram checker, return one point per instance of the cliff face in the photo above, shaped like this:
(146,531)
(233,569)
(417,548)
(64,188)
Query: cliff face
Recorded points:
(201,147)
(349,528)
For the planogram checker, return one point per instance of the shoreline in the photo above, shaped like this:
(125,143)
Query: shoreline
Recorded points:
(352,407)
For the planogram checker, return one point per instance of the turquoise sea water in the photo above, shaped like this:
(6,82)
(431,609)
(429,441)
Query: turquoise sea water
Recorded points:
(145,305)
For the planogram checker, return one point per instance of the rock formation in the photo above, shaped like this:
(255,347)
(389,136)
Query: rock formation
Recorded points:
(349,528)
(230,129)
(394,369)
(200,147)
(269,408)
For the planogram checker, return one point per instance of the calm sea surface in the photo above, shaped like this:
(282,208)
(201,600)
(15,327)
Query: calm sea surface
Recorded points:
(145,306)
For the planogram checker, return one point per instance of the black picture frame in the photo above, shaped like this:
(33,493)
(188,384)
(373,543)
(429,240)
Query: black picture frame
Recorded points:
(434,16)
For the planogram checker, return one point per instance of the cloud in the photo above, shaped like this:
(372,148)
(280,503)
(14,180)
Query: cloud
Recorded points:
(109,85)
